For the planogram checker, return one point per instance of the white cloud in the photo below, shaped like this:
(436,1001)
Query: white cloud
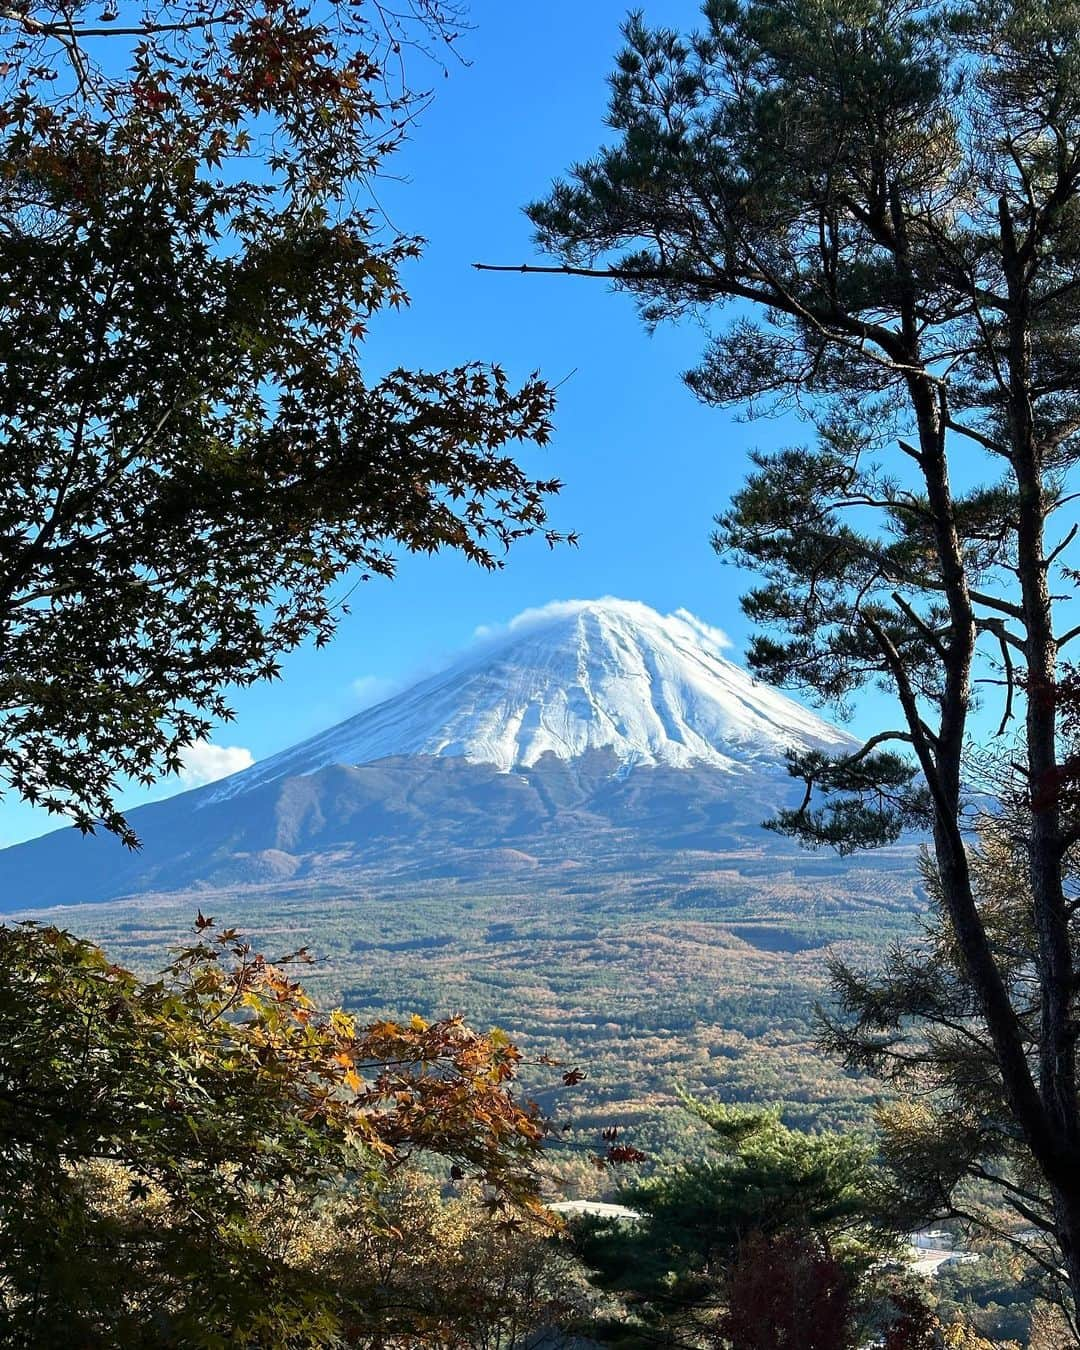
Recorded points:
(202,762)
(367,690)
(708,636)
(530,618)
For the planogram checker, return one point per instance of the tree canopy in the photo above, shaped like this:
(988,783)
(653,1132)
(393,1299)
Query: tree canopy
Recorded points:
(765,1198)
(195,463)
(167,1145)
(885,198)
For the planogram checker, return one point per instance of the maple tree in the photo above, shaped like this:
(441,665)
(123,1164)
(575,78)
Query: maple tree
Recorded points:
(192,452)
(439,1271)
(164,1144)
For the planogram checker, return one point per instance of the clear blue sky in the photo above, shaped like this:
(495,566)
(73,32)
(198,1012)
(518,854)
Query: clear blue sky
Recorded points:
(645,466)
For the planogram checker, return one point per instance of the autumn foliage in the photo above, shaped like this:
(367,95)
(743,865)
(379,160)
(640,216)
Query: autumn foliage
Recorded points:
(193,449)
(787,1290)
(163,1143)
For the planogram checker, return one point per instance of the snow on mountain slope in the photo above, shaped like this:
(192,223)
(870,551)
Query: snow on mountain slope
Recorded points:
(576,676)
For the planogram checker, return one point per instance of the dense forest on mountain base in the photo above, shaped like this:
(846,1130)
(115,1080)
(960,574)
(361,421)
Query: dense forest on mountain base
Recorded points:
(653,981)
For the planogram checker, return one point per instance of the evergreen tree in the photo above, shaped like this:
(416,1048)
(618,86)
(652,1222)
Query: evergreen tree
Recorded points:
(767,1197)
(948,1140)
(886,195)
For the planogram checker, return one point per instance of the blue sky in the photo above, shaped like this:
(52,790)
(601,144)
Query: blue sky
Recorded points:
(645,466)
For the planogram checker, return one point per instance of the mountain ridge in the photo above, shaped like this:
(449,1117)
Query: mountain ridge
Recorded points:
(409,816)
(588,733)
(576,676)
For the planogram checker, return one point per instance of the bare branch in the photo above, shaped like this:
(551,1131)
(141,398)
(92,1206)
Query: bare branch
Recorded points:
(923,627)
(1056,552)
(987,442)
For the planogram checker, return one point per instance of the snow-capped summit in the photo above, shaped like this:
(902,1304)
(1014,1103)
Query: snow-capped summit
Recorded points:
(573,677)
(523,753)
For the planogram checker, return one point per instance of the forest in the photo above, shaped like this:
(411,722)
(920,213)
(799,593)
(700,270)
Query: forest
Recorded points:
(650,1107)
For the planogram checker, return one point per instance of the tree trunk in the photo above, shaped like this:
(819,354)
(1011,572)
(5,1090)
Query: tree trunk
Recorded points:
(1046,847)
(1047,1114)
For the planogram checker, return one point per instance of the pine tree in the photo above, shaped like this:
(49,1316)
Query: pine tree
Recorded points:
(765,1198)
(886,197)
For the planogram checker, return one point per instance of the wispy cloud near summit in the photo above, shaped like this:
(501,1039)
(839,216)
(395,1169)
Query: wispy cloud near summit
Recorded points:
(714,638)
(204,763)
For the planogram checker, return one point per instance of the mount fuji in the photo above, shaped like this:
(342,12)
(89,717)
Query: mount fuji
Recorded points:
(586,729)
(611,675)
